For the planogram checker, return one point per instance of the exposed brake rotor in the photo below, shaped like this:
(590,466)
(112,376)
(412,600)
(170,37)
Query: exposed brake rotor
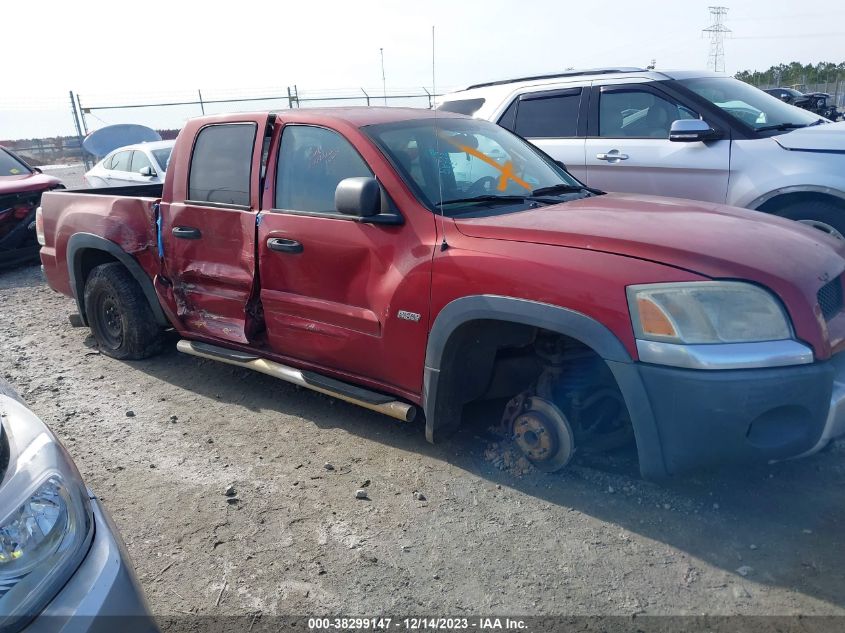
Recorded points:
(542,433)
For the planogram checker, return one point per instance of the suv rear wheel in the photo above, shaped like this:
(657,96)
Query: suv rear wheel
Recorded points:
(119,315)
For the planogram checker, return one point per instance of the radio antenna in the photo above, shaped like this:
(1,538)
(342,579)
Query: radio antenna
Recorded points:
(437,158)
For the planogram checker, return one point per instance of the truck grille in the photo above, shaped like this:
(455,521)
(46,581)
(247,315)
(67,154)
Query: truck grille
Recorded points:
(830,298)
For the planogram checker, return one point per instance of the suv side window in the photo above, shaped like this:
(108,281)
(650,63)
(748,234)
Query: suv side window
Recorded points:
(139,161)
(120,161)
(548,114)
(222,163)
(638,114)
(312,161)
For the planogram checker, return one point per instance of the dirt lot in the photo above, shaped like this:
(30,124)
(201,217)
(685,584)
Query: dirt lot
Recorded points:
(161,440)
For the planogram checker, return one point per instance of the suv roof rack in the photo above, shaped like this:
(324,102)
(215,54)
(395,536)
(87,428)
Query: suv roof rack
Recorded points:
(569,73)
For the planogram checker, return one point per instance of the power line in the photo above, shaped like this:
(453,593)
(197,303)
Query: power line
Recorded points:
(717,32)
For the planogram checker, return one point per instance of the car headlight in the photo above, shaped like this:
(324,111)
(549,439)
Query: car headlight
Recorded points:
(702,312)
(46,523)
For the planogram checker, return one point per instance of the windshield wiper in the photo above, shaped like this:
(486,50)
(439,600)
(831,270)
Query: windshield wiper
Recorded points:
(484,198)
(560,188)
(781,126)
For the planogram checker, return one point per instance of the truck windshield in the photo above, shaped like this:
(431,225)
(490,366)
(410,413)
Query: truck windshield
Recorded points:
(11,166)
(749,105)
(464,164)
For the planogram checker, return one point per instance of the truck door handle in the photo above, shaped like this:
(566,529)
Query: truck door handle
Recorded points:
(613,156)
(186,232)
(284,245)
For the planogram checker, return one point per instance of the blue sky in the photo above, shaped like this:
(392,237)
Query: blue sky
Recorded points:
(112,52)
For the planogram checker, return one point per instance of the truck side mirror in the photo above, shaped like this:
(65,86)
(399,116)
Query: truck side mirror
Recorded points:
(691,130)
(360,196)
(146,171)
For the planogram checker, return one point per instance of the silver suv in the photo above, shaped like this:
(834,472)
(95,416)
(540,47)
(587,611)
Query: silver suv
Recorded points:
(685,134)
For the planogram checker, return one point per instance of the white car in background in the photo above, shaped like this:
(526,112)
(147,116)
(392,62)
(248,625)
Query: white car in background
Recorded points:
(140,164)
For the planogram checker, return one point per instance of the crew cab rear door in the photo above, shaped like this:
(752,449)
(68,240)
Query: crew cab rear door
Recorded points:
(208,228)
(628,147)
(341,292)
(554,121)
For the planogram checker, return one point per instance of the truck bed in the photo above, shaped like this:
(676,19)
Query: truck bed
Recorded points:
(123,216)
(139,191)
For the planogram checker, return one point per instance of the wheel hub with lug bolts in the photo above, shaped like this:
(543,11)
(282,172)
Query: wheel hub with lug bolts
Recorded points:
(543,434)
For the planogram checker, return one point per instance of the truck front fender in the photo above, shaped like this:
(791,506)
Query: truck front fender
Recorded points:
(441,412)
(79,244)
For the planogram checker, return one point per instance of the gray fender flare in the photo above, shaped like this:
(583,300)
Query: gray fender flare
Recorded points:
(81,242)
(556,319)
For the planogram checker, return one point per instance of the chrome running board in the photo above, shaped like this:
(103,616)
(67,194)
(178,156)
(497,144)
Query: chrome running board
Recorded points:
(372,400)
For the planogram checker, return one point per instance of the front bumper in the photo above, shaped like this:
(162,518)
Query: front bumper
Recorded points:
(103,595)
(686,419)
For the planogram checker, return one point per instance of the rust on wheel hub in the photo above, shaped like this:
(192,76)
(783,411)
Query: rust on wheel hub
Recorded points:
(543,434)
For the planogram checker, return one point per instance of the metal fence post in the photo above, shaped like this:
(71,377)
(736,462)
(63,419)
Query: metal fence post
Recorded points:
(366,96)
(81,114)
(202,105)
(73,109)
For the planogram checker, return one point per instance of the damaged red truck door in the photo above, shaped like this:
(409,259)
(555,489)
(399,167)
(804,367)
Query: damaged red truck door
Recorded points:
(330,281)
(207,215)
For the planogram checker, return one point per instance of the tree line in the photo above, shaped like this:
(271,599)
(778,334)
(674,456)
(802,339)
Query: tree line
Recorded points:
(795,73)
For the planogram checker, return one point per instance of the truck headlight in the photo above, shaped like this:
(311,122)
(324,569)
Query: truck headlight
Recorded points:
(46,523)
(702,312)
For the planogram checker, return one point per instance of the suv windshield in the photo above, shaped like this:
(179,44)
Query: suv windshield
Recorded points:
(11,166)
(462,164)
(162,156)
(750,105)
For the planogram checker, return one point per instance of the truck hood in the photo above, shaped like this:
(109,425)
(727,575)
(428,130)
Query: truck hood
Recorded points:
(25,183)
(709,239)
(829,137)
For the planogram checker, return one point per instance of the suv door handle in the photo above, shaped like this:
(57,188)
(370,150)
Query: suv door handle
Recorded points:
(612,156)
(284,245)
(186,232)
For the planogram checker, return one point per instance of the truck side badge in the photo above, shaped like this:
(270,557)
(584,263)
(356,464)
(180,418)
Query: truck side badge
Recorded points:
(408,316)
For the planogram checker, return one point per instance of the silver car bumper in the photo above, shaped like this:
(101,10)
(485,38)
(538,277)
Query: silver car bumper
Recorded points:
(103,595)
(834,426)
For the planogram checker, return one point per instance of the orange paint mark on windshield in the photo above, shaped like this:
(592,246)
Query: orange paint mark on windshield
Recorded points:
(506,169)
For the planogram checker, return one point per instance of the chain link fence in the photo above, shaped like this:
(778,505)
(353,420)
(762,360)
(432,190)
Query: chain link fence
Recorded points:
(167,112)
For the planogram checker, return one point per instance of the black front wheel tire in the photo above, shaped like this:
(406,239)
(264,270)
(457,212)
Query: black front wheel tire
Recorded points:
(821,215)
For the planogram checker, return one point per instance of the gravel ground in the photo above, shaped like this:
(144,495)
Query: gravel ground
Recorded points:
(72,176)
(161,440)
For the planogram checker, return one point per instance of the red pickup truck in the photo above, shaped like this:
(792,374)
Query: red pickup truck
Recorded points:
(411,261)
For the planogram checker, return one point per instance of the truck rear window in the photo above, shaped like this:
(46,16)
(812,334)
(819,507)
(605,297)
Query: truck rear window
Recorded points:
(221,164)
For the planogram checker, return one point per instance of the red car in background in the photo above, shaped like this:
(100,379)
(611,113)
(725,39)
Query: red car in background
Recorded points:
(21,187)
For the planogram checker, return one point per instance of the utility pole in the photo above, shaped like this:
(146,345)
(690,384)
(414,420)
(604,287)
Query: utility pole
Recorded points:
(717,31)
(383,80)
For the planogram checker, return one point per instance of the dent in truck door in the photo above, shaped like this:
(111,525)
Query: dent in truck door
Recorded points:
(331,287)
(209,233)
